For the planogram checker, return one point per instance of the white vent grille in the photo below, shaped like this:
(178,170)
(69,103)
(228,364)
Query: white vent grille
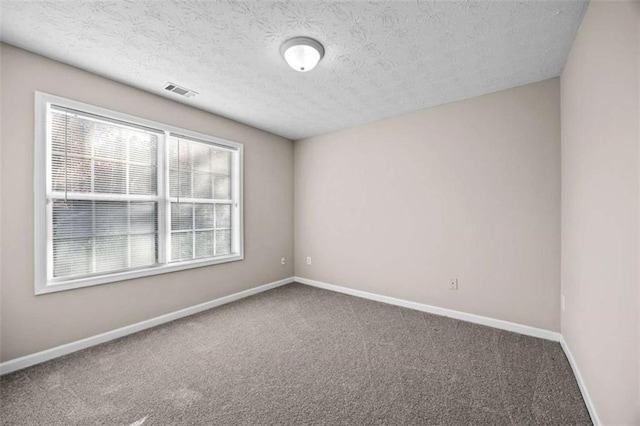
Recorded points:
(182,91)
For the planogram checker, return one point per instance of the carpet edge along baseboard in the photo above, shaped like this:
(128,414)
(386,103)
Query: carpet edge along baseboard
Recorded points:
(67,348)
(436,310)
(58,351)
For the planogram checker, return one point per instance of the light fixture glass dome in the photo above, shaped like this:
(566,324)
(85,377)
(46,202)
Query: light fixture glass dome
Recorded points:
(302,53)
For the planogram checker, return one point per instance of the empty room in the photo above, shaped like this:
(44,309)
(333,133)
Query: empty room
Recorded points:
(243,212)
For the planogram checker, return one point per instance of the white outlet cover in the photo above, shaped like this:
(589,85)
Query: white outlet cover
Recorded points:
(308,260)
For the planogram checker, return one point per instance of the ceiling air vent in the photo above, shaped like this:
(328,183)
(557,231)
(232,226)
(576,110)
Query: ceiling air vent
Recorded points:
(180,90)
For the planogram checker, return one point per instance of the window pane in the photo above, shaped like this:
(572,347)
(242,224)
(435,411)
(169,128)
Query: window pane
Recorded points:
(109,177)
(109,141)
(181,216)
(204,244)
(223,242)
(204,170)
(201,154)
(221,162)
(181,246)
(143,250)
(182,146)
(143,149)
(114,230)
(184,180)
(202,185)
(71,132)
(72,219)
(112,217)
(143,217)
(111,253)
(88,155)
(173,183)
(72,256)
(103,236)
(223,216)
(205,173)
(222,188)
(204,216)
(142,180)
(76,176)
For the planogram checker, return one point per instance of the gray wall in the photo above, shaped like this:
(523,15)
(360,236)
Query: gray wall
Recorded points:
(30,323)
(468,190)
(600,215)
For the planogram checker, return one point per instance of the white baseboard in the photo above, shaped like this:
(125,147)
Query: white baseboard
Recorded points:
(491,322)
(478,319)
(58,351)
(38,357)
(581,383)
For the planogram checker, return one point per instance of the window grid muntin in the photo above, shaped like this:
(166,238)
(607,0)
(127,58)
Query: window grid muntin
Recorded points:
(185,149)
(97,235)
(163,216)
(90,133)
(88,128)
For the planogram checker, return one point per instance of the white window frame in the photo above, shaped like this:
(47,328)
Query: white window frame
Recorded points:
(43,234)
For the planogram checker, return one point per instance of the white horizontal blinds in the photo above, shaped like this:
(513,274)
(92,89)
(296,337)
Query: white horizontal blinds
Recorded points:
(93,156)
(201,199)
(103,195)
(102,236)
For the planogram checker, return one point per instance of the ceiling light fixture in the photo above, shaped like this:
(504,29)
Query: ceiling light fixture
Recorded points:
(302,53)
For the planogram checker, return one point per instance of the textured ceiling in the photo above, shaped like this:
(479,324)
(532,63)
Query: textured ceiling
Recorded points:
(383,58)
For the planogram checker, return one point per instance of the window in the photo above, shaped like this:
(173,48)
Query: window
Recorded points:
(119,197)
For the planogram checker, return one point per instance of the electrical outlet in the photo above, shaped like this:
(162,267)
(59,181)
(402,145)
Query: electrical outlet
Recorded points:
(308,260)
(453,284)
(562,302)
(283,261)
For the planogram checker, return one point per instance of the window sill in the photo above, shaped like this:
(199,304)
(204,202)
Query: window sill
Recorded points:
(52,287)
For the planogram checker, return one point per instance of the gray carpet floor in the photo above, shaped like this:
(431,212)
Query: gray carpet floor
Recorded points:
(300,355)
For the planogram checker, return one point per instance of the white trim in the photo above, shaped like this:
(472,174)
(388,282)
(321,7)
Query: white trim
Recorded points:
(43,238)
(164,204)
(238,196)
(478,319)
(43,254)
(581,383)
(48,354)
(146,271)
(128,118)
(95,196)
(38,357)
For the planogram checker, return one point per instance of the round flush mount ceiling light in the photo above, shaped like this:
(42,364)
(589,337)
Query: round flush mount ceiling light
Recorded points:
(302,53)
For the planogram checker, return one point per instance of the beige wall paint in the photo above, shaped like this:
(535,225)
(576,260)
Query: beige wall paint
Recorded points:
(600,215)
(468,190)
(29,323)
